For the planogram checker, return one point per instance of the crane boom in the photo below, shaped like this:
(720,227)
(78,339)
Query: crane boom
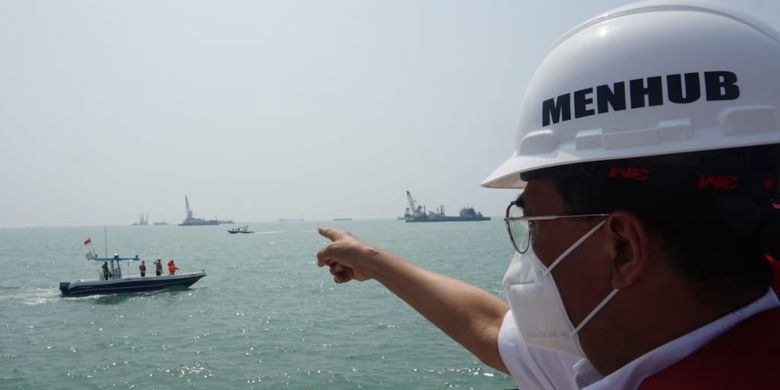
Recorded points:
(412,203)
(187,204)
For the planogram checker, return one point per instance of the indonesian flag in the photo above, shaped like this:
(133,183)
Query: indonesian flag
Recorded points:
(87,241)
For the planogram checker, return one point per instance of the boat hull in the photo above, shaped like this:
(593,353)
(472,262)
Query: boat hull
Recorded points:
(445,219)
(200,223)
(129,285)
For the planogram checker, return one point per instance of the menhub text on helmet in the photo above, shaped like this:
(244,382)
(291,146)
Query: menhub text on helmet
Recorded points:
(650,91)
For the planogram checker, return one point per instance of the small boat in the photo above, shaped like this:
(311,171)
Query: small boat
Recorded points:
(112,282)
(242,229)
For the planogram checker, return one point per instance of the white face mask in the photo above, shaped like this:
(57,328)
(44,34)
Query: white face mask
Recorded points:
(537,306)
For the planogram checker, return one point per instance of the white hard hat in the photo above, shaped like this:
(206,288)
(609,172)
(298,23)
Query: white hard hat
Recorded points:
(649,79)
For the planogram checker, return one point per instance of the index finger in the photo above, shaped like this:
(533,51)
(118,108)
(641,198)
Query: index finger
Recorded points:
(331,234)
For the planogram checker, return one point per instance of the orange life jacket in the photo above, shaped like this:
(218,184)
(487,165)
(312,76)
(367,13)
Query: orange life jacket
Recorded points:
(172,267)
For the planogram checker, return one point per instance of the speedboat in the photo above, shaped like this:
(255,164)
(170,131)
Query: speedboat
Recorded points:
(242,229)
(111,280)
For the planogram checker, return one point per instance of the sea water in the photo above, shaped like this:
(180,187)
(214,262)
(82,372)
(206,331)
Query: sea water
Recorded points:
(265,316)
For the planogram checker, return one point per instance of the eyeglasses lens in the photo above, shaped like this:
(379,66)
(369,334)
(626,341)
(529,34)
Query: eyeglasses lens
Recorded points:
(518,229)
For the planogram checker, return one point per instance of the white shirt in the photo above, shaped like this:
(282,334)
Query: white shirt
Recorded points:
(535,368)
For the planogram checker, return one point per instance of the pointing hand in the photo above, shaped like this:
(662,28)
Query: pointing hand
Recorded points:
(347,256)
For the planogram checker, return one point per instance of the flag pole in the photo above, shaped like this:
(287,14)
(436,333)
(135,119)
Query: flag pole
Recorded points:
(105,239)
(91,245)
(91,254)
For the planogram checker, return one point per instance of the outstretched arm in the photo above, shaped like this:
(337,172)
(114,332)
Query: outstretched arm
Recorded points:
(468,314)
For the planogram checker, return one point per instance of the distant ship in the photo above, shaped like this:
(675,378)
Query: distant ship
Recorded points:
(342,219)
(243,229)
(417,213)
(143,220)
(191,220)
(162,223)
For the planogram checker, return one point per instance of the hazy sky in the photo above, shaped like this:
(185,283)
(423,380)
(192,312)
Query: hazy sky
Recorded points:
(260,110)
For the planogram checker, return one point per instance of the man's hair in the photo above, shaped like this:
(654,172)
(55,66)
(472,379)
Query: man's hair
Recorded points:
(713,210)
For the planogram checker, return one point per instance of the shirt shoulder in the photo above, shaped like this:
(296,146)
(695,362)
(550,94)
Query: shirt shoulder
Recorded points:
(532,367)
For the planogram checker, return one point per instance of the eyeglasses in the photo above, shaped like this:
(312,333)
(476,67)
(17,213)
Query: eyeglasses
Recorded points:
(519,226)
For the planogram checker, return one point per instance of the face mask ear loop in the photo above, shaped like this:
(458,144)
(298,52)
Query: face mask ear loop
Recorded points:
(574,246)
(595,310)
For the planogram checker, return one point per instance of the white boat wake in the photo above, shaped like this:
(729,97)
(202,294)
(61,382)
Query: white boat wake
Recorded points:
(34,296)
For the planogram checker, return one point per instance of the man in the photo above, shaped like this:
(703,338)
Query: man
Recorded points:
(172,267)
(106,272)
(649,159)
(142,268)
(158,267)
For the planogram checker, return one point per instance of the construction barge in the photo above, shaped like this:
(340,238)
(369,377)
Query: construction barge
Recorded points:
(418,213)
(191,220)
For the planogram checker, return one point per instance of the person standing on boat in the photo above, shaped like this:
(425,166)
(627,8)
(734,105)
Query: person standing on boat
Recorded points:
(142,268)
(648,160)
(158,267)
(106,273)
(172,267)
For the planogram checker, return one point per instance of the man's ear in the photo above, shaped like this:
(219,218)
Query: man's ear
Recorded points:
(628,247)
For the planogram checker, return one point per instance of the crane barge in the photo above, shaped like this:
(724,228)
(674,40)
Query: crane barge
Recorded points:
(191,220)
(418,213)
